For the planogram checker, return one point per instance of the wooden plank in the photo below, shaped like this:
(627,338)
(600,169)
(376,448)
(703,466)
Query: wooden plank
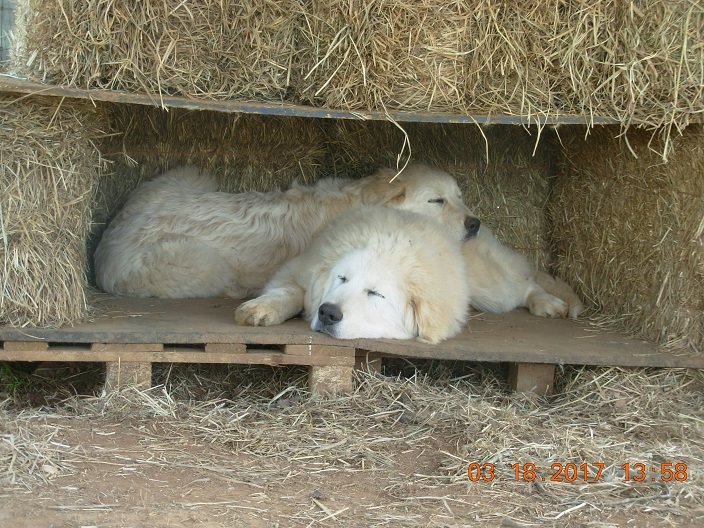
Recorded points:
(320,350)
(126,347)
(24,346)
(278,358)
(173,355)
(23,86)
(513,337)
(531,377)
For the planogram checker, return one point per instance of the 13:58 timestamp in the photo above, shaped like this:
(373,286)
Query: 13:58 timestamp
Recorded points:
(665,472)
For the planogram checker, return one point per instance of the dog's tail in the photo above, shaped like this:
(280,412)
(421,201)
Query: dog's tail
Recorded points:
(560,289)
(191,177)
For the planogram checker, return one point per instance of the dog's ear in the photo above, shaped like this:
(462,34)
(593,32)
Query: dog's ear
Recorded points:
(438,292)
(431,321)
(376,189)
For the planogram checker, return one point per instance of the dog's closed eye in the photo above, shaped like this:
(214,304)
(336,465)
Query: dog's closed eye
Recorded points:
(342,279)
(440,201)
(374,293)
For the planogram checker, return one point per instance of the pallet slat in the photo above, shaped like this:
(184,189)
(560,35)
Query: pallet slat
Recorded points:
(235,353)
(24,346)
(126,347)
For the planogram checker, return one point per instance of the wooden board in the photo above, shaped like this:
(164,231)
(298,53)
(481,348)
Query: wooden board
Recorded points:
(23,86)
(515,337)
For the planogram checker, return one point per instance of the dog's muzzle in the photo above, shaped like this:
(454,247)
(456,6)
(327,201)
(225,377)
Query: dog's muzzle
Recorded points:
(329,315)
(471,226)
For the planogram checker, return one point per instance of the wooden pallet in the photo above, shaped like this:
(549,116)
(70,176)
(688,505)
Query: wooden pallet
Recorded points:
(132,334)
(331,367)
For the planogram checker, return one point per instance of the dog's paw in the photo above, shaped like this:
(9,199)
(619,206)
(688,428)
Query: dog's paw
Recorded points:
(258,312)
(543,304)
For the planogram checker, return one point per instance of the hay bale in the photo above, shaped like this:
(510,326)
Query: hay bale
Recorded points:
(250,152)
(508,189)
(395,54)
(210,48)
(635,63)
(49,168)
(246,151)
(630,232)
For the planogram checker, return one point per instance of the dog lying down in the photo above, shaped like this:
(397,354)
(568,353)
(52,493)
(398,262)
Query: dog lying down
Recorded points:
(372,273)
(178,237)
(502,280)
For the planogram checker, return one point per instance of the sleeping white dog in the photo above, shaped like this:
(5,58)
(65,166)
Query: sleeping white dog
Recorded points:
(372,273)
(178,237)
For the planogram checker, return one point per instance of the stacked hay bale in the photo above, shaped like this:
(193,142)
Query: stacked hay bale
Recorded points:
(49,169)
(246,151)
(508,190)
(632,61)
(637,62)
(630,232)
(210,48)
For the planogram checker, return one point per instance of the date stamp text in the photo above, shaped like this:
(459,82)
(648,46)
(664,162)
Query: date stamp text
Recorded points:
(585,472)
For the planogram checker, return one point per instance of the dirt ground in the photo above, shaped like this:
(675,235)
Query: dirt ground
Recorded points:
(148,460)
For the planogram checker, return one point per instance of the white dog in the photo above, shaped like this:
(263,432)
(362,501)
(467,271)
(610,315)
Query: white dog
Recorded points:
(177,237)
(372,273)
(502,280)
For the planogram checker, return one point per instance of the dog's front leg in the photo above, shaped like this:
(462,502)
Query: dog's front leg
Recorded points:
(273,307)
(553,298)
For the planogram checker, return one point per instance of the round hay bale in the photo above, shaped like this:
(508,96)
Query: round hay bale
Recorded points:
(49,171)
(630,232)
(211,48)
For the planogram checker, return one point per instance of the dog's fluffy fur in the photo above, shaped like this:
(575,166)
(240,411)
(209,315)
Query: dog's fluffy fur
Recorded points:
(502,280)
(177,237)
(372,273)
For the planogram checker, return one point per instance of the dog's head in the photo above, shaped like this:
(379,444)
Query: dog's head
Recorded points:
(363,298)
(423,190)
(364,295)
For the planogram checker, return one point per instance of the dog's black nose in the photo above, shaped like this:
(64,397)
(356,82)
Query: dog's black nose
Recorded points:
(329,314)
(472,224)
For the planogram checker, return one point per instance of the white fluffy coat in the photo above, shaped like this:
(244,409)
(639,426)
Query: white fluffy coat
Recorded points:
(178,237)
